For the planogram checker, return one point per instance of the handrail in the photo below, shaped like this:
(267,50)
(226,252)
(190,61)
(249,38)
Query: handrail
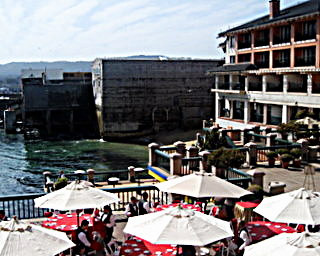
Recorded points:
(163,154)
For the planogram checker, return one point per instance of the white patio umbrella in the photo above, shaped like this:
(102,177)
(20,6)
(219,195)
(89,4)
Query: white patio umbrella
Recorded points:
(178,226)
(287,244)
(200,185)
(21,239)
(76,195)
(300,206)
(307,120)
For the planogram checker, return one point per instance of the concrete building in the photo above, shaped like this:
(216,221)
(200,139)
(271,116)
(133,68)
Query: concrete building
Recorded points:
(135,97)
(272,67)
(59,103)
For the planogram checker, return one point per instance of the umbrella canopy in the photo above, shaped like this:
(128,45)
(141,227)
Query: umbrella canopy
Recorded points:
(201,185)
(21,239)
(307,120)
(300,206)
(178,226)
(294,244)
(76,195)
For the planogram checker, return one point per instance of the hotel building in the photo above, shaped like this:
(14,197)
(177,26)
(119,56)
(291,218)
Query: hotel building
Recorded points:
(272,68)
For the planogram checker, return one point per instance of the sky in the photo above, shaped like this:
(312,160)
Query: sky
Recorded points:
(52,30)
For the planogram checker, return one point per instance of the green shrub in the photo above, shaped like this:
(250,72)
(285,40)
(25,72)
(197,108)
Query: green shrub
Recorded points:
(296,153)
(286,157)
(272,155)
(282,151)
(61,183)
(224,158)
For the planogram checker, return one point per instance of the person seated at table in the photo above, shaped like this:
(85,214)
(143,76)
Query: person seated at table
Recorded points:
(109,221)
(132,209)
(188,250)
(144,204)
(83,237)
(3,216)
(244,238)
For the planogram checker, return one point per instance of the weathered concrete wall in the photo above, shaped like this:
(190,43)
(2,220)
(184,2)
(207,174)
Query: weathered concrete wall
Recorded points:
(57,110)
(135,97)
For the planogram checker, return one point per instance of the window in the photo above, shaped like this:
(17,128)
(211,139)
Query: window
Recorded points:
(232,42)
(232,59)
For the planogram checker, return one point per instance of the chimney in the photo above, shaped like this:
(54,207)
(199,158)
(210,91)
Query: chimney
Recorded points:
(274,6)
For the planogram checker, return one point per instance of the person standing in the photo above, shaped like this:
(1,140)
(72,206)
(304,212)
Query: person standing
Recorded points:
(83,244)
(109,221)
(3,216)
(132,209)
(144,204)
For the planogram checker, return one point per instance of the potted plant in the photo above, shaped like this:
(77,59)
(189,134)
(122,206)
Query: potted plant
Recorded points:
(272,155)
(296,154)
(61,183)
(285,160)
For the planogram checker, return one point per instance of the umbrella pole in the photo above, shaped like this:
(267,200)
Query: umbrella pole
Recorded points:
(78,220)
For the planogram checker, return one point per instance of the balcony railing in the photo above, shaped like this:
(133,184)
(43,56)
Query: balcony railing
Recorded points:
(255,87)
(307,61)
(272,87)
(297,87)
(303,37)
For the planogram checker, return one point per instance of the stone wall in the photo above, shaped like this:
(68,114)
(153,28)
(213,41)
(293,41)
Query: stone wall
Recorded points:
(64,109)
(138,97)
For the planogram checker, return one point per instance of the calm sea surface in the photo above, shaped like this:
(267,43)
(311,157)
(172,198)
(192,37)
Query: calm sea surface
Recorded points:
(26,160)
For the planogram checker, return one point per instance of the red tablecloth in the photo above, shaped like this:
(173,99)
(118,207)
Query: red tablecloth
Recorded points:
(139,246)
(65,222)
(186,206)
(260,230)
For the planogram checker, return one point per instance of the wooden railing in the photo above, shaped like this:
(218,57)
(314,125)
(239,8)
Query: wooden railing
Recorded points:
(163,160)
(190,165)
(22,206)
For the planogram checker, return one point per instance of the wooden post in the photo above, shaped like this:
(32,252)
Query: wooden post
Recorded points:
(175,163)
(153,159)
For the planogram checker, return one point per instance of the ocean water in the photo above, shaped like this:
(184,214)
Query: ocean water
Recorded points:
(22,160)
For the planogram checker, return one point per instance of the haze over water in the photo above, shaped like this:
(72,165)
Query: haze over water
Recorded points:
(28,159)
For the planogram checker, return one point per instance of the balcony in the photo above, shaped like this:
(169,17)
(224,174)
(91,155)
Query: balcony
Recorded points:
(297,87)
(223,86)
(255,87)
(282,35)
(281,59)
(238,86)
(244,41)
(305,31)
(273,87)
(262,38)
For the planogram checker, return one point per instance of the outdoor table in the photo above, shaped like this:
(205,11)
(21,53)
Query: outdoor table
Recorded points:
(185,206)
(137,247)
(65,222)
(260,230)
(244,210)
